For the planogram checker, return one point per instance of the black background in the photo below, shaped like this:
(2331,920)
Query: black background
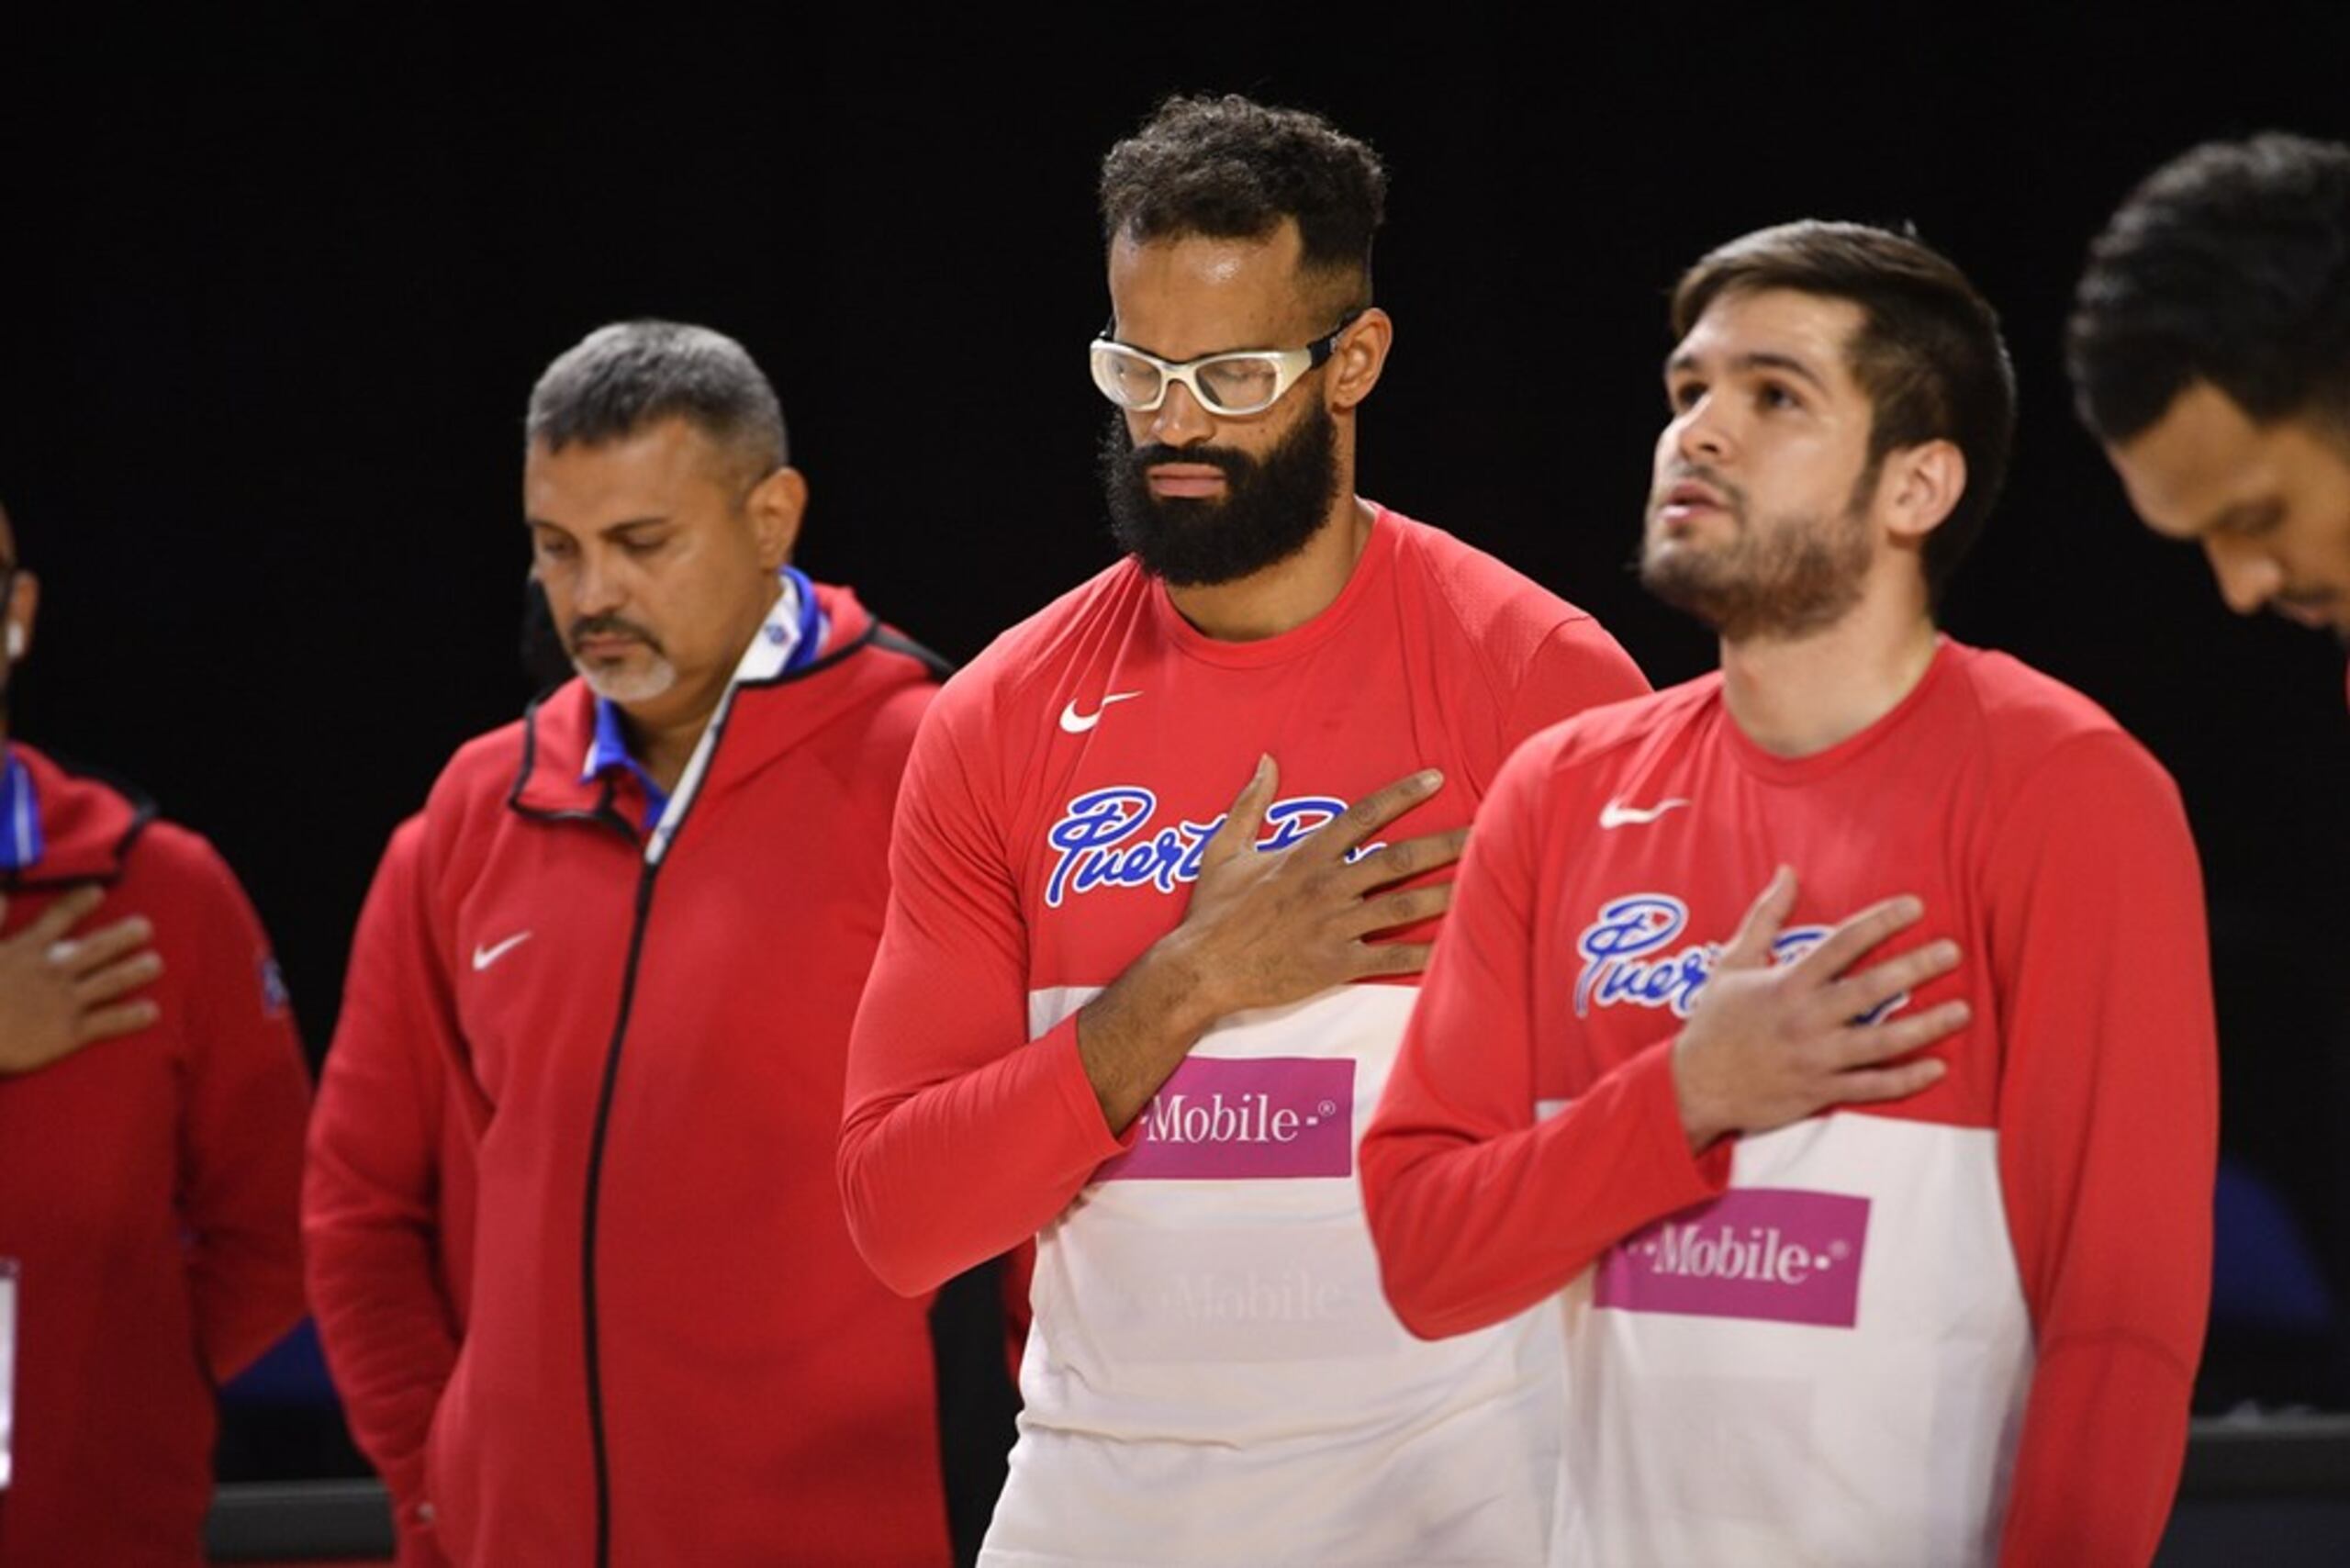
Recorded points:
(273,297)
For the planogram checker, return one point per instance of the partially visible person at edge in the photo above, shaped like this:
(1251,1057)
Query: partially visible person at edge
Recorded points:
(387,1188)
(646,910)
(1833,1031)
(152,1100)
(2210,350)
(1116,1005)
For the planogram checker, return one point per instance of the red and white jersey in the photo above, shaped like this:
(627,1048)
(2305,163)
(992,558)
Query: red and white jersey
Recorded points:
(1213,1374)
(1961,1323)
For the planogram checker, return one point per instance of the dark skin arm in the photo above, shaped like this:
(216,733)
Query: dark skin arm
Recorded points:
(1262,930)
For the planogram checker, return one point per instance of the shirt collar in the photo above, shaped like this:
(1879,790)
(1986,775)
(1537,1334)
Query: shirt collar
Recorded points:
(608,748)
(20,839)
(791,638)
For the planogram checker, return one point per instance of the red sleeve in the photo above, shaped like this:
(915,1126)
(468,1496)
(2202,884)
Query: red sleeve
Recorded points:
(373,1191)
(1578,666)
(2108,1142)
(1478,1211)
(240,1134)
(962,1137)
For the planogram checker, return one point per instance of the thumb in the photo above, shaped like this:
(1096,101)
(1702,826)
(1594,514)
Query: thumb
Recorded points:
(1750,948)
(1245,822)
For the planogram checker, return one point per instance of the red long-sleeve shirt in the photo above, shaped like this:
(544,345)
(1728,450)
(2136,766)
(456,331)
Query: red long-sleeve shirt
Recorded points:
(1878,1335)
(147,1192)
(1211,1376)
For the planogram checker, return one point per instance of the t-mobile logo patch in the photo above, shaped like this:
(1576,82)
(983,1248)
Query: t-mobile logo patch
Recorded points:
(1222,1118)
(1756,1252)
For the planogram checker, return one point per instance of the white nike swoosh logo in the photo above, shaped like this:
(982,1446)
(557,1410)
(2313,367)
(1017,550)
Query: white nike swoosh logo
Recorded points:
(1614,813)
(485,956)
(1077,724)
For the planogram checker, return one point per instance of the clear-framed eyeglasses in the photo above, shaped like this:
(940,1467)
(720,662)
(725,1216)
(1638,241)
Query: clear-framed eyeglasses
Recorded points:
(1248,382)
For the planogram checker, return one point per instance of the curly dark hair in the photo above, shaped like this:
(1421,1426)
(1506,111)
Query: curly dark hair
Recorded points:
(1927,352)
(2230,265)
(1229,168)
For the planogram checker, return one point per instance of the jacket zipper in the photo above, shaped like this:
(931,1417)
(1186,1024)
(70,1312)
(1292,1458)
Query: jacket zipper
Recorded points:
(604,1097)
(609,1089)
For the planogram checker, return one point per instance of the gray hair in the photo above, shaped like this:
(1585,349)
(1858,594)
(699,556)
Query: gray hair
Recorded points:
(620,378)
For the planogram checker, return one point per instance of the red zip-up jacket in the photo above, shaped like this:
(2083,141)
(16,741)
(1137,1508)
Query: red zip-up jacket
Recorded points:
(388,1194)
(148,1192)
(673,1353)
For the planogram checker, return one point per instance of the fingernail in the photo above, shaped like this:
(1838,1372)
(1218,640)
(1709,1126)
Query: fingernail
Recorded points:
(1945,951)
(1429,778)
(1908,907)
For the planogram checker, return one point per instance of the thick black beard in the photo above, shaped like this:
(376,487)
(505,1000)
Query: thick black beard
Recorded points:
(1272,505)
(1803,576)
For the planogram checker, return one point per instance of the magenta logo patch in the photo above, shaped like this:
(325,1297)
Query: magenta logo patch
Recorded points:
(1760,1253)
(1222,1119)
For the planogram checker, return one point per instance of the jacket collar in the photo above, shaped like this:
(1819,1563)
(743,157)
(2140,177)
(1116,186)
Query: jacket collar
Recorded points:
(765,719)
(88,823)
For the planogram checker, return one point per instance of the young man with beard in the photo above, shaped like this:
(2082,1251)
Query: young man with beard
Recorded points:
(645,912)
(1112,1014)
(1881,1202)
(2210,348)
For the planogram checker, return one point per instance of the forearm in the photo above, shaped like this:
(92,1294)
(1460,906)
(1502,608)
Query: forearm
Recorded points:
(2106,1500)
(374,1261)
(244,1215)
(389,1335)
(1474,1225)
(1134,1036)
(247,1298)
(945,1176)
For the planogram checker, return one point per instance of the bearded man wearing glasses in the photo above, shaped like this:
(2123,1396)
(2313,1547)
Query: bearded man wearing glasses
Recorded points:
(1120,1010)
